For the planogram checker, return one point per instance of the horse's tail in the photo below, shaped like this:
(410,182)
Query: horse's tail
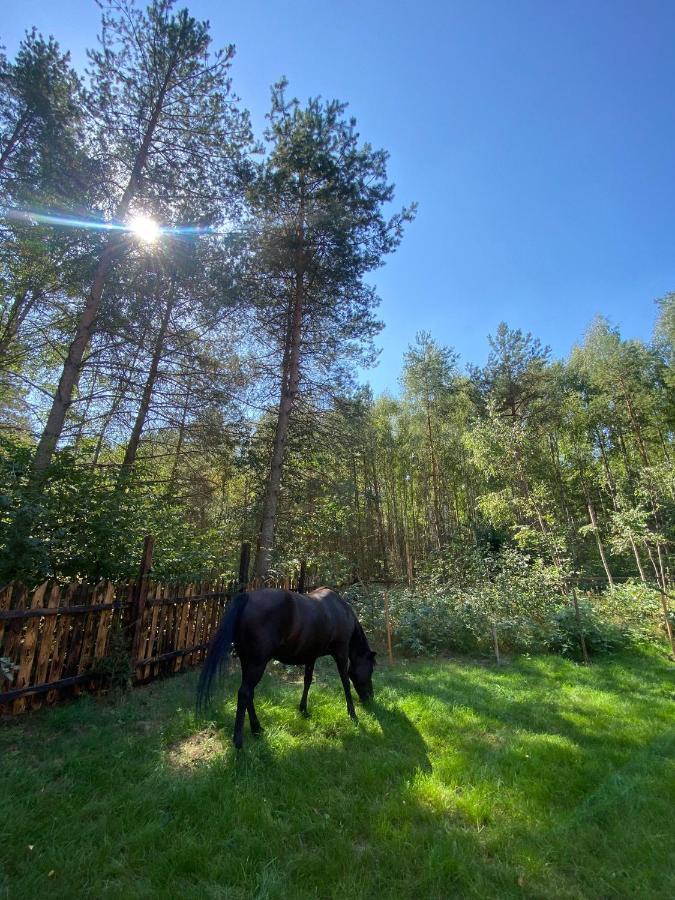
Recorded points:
(219,651)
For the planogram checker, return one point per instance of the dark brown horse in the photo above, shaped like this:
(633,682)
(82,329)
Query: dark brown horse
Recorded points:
(295,629)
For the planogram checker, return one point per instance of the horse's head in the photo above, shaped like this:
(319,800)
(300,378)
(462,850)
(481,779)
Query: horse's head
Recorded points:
(361,674)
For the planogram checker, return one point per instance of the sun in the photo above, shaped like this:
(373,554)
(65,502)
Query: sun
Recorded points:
(145,229)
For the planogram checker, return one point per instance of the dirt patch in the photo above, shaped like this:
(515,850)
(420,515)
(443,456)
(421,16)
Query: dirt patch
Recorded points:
(195,750)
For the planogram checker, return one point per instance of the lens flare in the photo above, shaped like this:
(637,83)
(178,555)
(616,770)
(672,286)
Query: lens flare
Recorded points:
(141,227)
(145,229)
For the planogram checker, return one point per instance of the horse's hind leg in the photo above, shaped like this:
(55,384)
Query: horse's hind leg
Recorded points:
(251,673)
(309,671)
(342,664)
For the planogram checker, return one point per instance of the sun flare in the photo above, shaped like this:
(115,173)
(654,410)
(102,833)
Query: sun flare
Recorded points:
(145,229)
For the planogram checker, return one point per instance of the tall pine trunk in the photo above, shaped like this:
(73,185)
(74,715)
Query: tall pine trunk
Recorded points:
(144,406)
(171,486)
(290,382)
(85,326)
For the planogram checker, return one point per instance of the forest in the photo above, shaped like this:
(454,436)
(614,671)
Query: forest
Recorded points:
(186,317)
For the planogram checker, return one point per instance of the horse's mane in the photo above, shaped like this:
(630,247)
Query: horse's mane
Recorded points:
(359,641)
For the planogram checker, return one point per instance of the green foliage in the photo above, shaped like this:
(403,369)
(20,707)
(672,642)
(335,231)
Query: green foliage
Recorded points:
(82,525)
(453,610)
(41,119)
(600,635)
(116,669)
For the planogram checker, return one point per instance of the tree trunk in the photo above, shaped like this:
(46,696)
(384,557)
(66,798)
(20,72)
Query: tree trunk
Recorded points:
(85,326)
(596,532)
(119,397)
(434,480)
(290,382)
(71,367)
(21,306)
(361,553)
(378,513)
(634,423)
(637,559)
(144,407)
(179,446)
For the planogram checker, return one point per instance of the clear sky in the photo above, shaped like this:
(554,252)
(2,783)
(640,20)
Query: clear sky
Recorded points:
(537,137)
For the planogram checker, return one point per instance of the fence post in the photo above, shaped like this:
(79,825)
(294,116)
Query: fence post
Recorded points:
(302,577)
(140,595)
(387,625)
(244,560)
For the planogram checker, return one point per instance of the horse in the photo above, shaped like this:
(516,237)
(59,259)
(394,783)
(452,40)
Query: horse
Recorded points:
(294,629)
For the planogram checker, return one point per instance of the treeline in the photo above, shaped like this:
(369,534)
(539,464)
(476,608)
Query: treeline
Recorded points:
(200,387)
(569,461)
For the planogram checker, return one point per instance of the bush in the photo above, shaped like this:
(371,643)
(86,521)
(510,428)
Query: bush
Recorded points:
(600,636)
(522,598)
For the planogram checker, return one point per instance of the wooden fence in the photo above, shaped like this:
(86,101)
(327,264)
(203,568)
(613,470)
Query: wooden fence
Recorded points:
(63,639)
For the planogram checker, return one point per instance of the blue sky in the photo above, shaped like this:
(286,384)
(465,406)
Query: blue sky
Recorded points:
(537,137)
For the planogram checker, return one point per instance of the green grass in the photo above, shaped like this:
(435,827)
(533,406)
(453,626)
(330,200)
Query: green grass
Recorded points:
(539,779)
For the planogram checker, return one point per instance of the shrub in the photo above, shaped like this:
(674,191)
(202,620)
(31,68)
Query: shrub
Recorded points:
(524,599)
(600,635)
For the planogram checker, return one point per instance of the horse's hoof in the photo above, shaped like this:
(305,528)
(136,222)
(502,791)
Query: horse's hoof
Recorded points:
(256,732)
(238,743)
(303,712)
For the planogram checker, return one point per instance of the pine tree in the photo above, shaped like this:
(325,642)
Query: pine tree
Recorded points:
(169,135)
(318,205)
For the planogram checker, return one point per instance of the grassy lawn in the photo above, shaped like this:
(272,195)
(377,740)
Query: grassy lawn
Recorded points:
(539,779)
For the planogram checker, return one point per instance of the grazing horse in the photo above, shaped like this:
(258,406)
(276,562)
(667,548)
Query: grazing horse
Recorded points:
(294,629)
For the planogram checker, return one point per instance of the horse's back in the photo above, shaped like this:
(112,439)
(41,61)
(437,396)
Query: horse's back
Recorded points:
(294,628)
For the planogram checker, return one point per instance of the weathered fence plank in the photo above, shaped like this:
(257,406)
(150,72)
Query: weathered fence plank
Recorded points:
(86,657)
(14,630)
(46,642)
(61,636)
(57,636)
(104,624)
(28,648)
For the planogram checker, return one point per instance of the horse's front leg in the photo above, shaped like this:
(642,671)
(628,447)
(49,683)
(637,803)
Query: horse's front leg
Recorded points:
(251,673)
(309,671)
(256,727)
(342,663)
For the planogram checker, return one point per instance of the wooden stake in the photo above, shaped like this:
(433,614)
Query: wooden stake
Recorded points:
(496,643)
